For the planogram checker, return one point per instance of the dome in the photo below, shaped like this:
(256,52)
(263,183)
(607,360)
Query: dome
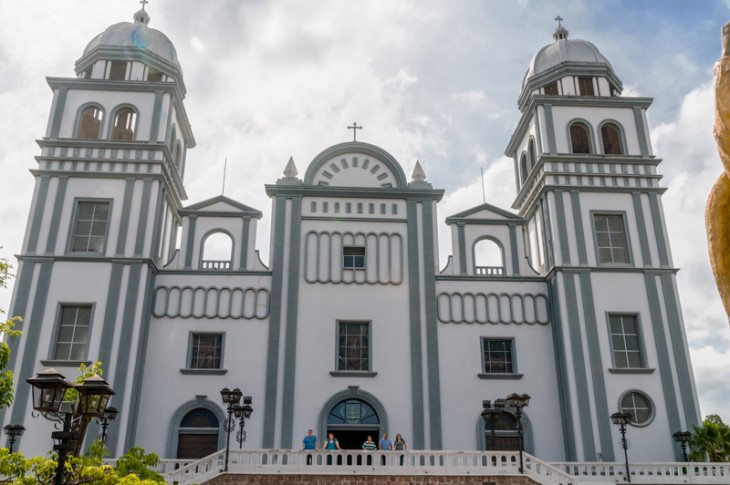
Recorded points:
(135,35)
(564,50)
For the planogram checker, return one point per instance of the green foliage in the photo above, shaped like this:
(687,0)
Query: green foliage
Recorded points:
(72,395)
(8,331)
(711,441)
(87,469)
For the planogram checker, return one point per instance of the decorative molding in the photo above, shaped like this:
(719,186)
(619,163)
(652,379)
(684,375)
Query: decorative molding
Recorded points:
(494,308)
(211,302)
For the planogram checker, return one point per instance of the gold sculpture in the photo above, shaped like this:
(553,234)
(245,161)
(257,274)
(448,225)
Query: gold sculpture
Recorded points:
(717,215)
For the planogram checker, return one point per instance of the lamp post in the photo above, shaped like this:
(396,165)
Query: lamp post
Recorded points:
(109,415)
(13,431)
(519,402)
(231,400)
(243,413)
(49,390)
(491,414)
(683,437)
(622,419)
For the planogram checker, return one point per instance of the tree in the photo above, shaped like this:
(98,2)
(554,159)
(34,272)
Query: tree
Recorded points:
(8,331)
(88,469)
(710,441)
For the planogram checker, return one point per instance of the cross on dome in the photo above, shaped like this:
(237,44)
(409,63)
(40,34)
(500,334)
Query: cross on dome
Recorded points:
(559,19)
(354,129)
(560,32)
(144,2)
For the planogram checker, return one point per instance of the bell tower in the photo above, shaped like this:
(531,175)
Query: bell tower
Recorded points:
(104,216)
(588,187)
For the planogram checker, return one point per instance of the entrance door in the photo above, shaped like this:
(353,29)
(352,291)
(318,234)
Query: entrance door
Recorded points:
(504,437)
(351,421)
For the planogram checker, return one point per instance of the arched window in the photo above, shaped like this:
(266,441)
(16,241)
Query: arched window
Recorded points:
(531,152)
(488,258)
(351,421)
(124,123)
(198,434)
(579,139)
(217,251)
(89,126)
(500,432)
(523,168)
(611,136)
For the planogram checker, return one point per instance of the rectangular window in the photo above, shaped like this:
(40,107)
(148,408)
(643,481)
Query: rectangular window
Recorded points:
(395,208)
(154,75)
(625,341)
(371,208)
(552,89)
(73,332)
(118,71)
(611,238)
(89,231)
(497,356)
(585,86)
(359,207)
(353,342)
(337,207)
(206,350)
(353,257)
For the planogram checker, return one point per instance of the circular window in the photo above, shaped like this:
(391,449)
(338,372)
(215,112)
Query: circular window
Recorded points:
(639,406)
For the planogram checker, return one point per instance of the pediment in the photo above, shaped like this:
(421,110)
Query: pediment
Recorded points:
(355,164)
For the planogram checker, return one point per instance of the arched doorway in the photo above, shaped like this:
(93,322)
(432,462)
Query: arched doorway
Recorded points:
(351,421)
(198,434)
(504,436)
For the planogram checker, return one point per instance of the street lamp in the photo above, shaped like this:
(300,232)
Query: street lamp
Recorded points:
(519,402)
(49,389)
(622,419)
(491,414)
(683,437)
(243,413)
(109,415)
(13,431)
(231,400)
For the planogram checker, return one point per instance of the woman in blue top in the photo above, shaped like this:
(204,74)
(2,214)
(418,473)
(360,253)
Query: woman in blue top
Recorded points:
(331,444)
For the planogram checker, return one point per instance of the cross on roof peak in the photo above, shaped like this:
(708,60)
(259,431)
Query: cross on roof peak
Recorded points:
(144,3)
(559,19)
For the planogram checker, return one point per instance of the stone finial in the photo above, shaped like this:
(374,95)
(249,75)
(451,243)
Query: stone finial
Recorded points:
(418,174)
(291,170)
(141,17)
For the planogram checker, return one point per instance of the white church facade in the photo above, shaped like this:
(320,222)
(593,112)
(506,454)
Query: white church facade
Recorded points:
(351,327)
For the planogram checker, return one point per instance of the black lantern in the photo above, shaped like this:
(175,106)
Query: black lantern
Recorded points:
(49,389)
(247,409)
(109,415)
(94,394)
(231,397)
(683,437)
(13,431)
(519,402)
(621,420)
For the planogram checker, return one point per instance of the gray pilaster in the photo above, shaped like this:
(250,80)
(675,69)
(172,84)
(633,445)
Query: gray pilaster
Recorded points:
(110,312)
(641,224)
(658,221)
(190,243)
(550,129)
(38,212)
(514,250)
(290,343)
(156,114)
(664,362)
(59,109)
(462,247)
(156,251)
(561,368)
(124,220)
(272,351)
(597,366)
(414,305)
(144,211)
(246,231)
(641,131)
(562,228)
(432,347)
(579,230)
(579,368)
(55,220)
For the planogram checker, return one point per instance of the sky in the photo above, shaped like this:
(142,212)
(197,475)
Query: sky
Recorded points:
(434,81)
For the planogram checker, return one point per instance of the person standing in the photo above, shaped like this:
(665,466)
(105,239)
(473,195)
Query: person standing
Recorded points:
(385,445)
(369,446)
(331,444)
(309,443)
(400,445)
